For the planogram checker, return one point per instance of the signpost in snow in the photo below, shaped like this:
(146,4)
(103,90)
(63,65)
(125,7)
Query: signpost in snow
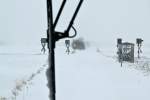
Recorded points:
(125,51)
(139,44)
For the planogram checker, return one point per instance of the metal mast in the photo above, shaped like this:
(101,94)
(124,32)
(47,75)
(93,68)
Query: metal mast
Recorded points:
(52,37)
(51,57)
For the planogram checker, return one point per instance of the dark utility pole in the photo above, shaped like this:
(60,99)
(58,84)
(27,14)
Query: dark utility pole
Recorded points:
(52,37)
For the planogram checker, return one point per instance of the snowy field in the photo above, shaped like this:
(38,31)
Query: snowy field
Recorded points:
(23,70)
(87,74)
(91,74)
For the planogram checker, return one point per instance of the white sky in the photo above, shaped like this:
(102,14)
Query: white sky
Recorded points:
(26,20)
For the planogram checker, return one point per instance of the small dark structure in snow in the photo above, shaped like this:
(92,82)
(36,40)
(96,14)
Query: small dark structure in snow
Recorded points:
(125,51)
(78,44)
(139,45)
(43,43)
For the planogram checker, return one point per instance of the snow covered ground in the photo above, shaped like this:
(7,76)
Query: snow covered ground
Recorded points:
(84,75)
(18,67)
(99,77)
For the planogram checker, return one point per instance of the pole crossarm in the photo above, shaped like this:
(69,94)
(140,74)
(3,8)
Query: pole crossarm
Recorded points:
(59,13)
(74,16)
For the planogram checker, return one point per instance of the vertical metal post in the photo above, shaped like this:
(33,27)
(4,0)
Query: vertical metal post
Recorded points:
(52,37)
(51,46)
(138,51)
